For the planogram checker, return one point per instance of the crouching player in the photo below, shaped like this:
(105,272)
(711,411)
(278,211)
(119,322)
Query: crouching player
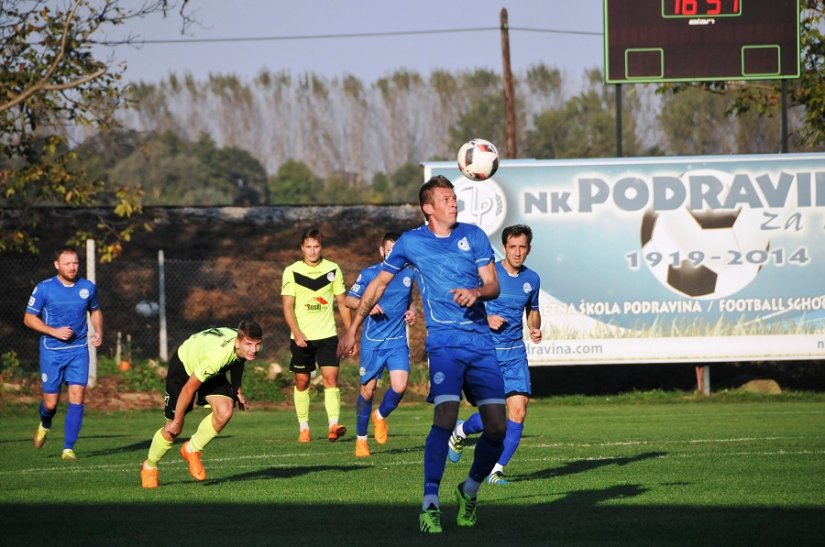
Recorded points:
(197,372)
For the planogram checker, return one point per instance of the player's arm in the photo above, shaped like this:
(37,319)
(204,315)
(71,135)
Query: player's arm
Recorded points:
(534,324)
(372,294)
(97,323)
(35,323)
(346,317)
(343,310)
(288,302)
(187,394)
(487,291)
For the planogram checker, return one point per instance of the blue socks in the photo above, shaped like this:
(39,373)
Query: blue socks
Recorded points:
(473,425)
(389,402)
(46,416)
(363,408)
(435,459)
(511,441)
(74,420)
(485,457)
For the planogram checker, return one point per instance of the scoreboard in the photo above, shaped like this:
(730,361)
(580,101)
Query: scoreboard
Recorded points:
(690,40)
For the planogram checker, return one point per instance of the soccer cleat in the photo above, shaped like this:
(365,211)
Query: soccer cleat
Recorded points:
(466,507)
(455,445)
(336,431)
(496,478)
(194,460)
(148,477)
(380,430)
(40,436)
(304,436)
(362,448)
(429,521)
(68,454)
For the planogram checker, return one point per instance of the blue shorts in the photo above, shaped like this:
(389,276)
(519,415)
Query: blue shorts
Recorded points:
(464,362)
(70,366)
(514,370)
(373,362)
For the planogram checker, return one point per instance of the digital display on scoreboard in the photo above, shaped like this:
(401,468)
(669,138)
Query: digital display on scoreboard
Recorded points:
(700,40)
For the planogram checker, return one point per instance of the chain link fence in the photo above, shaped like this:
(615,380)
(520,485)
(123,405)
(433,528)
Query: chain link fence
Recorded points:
(198,294)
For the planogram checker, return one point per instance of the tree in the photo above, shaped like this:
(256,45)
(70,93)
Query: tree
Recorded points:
(585,126)
(295,184)
(50,77)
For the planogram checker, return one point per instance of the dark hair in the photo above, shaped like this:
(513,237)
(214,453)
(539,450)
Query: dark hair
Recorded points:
(390,236)
(250,329)
(66,249)
(517,230)
(425,193)
(312,233)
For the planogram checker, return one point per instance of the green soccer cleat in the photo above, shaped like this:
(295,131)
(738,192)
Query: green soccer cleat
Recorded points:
(429,521)
(466,507)
(455,445)
(496,478)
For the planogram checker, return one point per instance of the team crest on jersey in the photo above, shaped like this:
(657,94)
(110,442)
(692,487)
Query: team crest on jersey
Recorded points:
(44,377)
(463,244)
(407,281)
(438,378)
(527,288)
(331,277)
(84,293)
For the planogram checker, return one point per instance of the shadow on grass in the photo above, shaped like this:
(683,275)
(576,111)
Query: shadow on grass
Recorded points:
(589,517)
(582,466)
(282,473)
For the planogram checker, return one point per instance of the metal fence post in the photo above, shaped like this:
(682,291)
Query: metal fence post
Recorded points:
(90,275)
(163,350)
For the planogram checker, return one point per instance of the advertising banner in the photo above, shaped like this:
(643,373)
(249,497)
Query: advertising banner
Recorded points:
(665,259)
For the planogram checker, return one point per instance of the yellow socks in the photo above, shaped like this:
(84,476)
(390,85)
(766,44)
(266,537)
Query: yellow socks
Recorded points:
(332,402)
(158,449)
(204,435)
(301,399)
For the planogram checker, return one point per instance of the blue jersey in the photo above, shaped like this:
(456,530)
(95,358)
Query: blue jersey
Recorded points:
(388,329)
(62,306)
(519,294)
(443,264)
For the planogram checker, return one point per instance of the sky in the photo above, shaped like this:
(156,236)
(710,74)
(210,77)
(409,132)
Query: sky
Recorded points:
(562,34)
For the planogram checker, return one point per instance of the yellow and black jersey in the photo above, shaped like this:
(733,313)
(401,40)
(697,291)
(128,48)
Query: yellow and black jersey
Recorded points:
(314,289)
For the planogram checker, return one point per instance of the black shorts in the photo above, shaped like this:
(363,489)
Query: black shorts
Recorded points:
(324,352)
(177,377)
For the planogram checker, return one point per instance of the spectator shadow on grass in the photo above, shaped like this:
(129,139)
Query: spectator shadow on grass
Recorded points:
(581,466)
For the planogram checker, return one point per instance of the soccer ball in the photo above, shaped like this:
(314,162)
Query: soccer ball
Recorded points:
(702,254)
(478,159)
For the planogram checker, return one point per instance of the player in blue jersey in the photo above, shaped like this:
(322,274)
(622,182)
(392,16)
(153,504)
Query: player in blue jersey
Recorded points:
(519,296)
(57,309)
(383,346)
(457,272)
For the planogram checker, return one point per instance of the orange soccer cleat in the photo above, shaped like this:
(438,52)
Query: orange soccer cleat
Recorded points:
(194,460)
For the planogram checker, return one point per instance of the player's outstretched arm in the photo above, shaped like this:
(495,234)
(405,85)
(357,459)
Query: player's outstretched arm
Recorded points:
(372,294)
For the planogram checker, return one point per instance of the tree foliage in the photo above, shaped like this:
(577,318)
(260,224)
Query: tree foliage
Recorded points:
(49,76)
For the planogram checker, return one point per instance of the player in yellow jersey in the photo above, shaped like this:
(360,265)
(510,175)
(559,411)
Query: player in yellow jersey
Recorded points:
(197,372)
(309,287)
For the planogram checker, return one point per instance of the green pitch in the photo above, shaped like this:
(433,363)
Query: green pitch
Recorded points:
(588,472)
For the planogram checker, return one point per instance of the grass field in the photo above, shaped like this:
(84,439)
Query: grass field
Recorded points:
(669,471)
